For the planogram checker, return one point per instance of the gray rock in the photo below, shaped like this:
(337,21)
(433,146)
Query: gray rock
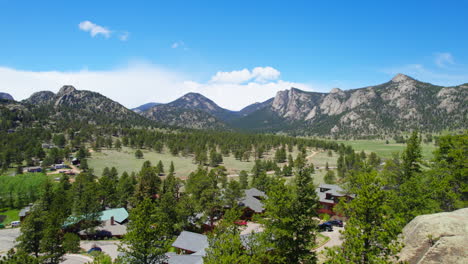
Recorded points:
(436,238)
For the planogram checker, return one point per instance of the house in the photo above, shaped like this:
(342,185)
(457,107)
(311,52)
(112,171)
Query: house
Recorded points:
(329,196)
(190,243)
(113,224)
(60,166)
(24,212)
(252,202)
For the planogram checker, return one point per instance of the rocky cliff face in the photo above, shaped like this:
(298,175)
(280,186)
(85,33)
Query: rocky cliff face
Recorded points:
(398,105)
(436,238)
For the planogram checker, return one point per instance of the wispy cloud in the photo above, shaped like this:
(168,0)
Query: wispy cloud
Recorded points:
(258,74)
(179,44)
(146,82)
(94,29)
(124,36)
(443,59)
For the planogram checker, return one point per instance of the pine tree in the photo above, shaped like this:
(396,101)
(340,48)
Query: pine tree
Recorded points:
(370,235)
(145,241)
(243,179)
(139,154)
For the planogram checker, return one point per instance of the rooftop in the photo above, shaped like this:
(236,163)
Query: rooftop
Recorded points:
(190,241)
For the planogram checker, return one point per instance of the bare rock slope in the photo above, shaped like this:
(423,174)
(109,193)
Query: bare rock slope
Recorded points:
(437,238)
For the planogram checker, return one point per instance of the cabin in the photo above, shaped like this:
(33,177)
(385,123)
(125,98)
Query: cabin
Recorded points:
(329,196)
(252,203)
(190,243)
(24,212)
(113,224)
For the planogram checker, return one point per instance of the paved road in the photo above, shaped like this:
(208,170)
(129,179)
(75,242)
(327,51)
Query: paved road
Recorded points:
(334,236)
(110,247)
(8,239)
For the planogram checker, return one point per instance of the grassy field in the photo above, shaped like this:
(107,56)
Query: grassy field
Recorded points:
(125,160)
(12,215)
(385,150)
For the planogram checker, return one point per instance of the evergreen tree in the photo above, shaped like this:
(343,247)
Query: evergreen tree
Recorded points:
(329,177)
(160,168)
(125,189)
(243,179)
(146,238)
(412,156)
(139,154)
(370,235)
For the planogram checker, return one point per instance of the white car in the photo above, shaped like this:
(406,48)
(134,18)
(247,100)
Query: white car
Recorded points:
(15,223)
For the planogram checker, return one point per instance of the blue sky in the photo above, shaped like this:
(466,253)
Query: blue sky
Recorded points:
(315,45)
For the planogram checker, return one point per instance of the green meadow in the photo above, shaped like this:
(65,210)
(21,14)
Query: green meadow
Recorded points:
(385,150)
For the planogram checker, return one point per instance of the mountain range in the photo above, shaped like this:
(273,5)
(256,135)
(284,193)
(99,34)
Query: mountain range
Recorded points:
(400,104)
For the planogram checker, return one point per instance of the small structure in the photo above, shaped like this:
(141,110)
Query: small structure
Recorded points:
(190,243)
(252,202)
(48,146)
(329,196)
(60,166)
(24,212)
(113,224)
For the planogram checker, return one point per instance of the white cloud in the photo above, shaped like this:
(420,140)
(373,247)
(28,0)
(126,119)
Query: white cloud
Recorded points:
(124,36)
(258,74)
(443,59)
(178,44)
(140,82)
(94,29)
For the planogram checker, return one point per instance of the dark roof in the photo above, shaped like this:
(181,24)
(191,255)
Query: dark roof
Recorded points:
(191,241)
(332,189)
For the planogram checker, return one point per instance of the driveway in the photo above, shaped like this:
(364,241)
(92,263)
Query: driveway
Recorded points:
(334,236)
(8,238)
(110,247)
(76,259)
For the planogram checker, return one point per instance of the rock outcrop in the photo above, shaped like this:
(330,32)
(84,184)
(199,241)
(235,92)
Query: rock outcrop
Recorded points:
(6,96)
(437,238)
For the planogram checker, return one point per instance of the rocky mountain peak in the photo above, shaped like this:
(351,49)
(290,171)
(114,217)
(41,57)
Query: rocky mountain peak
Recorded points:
(401,78)
(336,90)
(6,96)
(66,89)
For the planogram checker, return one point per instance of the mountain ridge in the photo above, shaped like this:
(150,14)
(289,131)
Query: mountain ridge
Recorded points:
(399,104)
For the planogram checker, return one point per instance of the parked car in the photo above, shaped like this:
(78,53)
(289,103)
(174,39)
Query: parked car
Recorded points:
(15,223)
(336,223)
(94,248)
(325,227)
(2,226)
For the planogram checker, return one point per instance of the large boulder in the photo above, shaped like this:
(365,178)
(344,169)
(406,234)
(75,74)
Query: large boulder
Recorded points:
(437,238)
